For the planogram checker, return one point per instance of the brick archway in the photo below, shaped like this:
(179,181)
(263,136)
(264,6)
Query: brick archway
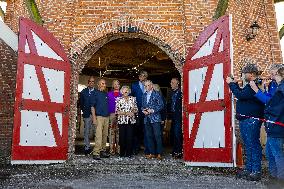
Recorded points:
(92,40)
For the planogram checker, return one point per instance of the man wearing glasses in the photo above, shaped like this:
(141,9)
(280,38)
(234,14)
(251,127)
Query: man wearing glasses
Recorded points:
(100,113)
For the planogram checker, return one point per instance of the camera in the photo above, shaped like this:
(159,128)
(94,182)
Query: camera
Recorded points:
(232,77)
(258,81)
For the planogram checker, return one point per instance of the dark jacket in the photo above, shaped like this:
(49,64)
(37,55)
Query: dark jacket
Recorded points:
(155,103)
(86,101)
(164,110)
(247,104)
(138,93)
(274,111)
(177,111)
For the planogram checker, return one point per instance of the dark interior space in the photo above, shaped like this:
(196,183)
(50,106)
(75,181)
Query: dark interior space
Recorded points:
(122,59)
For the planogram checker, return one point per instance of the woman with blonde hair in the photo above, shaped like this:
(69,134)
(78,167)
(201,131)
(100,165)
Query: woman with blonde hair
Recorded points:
(126,109)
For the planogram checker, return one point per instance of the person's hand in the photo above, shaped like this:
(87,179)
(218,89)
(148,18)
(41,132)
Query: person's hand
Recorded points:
(229,80)
(129,114)
(151,111)
(145,112)
(253,86)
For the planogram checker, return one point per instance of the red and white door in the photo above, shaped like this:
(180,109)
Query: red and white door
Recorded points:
(42,98)
(208,126)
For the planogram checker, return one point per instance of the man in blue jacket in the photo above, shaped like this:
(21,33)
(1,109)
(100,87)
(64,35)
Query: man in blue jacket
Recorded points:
(176,109)
(152,104)
(248,108)
(274,126)
(137,90)
(86,101)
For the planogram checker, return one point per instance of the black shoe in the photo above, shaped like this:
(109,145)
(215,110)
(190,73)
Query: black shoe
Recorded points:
(242,174)
(256,176)
(88,152)
(96,157)
(104,155)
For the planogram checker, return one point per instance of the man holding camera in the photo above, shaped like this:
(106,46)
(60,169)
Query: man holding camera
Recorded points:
(248,108)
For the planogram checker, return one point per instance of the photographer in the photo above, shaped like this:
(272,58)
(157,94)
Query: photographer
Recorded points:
(264,96)
(249,107)
(274,114)
(274,111)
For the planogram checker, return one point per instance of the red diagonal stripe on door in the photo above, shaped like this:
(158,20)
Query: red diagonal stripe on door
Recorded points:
(202,99)
(44,90)
(31,41)
(217,41)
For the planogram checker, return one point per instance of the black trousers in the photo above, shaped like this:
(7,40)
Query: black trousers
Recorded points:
(138,133)
(125,139)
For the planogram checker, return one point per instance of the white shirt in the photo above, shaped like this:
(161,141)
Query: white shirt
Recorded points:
(141,86)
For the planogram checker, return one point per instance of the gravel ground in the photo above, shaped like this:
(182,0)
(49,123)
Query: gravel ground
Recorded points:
(84,172)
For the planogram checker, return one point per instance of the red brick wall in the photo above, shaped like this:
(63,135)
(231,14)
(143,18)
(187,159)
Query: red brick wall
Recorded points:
(8,60)
(183,19)
(265,48)
(198,15)
(82,26)
(15,9)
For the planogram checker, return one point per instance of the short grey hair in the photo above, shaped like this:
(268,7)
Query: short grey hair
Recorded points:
(143,72)
(276,66)
(148,81)
(125,87)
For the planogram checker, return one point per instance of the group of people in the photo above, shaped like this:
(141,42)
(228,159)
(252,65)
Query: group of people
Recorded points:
(131,117)
(258,103)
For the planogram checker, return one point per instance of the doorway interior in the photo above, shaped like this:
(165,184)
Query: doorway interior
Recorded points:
(122,59)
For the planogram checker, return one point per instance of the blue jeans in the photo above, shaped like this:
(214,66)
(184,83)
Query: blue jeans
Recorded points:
(154,137)
(250,133)
(275,155)
(88,125)
(177,136)
(146,143)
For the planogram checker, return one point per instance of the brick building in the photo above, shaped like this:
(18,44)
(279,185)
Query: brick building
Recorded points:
(84,26)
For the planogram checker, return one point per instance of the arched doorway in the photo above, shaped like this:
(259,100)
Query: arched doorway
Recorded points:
(93,62)
(122,59)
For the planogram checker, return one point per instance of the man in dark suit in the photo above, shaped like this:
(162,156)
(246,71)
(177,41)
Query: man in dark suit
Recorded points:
(176,109)
(152,104)
(137,90)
